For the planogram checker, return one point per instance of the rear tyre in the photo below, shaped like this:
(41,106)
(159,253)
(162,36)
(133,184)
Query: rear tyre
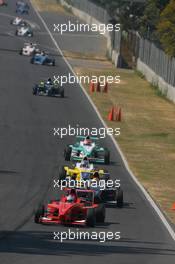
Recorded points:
(107,157)
(39,213)
(67,153)
(100,213)
(90,217)
(62,173)
(62,93)
(32,60)
(119,198)
(35,90)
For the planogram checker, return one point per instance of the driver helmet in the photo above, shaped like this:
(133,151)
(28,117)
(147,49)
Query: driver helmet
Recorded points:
(70,198)
(85,162)
(49,81)
(87,141)
(96,175)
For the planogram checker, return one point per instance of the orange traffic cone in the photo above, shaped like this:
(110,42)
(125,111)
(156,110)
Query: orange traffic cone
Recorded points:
(173,206)
(119,118)
(111,114)
(98,87)
(105,90)
(92,87)
(116,112)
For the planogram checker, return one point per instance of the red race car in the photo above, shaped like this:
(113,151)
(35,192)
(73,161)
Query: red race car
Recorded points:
(3,3)
(76,207)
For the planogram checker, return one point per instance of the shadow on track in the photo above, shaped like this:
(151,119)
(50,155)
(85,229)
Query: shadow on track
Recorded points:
(35,243)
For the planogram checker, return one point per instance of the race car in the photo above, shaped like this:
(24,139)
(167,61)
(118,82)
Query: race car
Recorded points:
(82,171)
(48,88)
(22,8)
(25,31)
(29,49)
(18,21)
(42,59)
(109,196)
(87,147)
(88,177)
(76,207)
(3,3)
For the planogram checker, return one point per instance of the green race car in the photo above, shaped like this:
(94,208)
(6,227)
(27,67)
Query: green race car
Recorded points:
(87,147)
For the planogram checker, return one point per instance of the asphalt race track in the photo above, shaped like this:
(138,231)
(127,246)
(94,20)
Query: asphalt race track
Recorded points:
(29,159)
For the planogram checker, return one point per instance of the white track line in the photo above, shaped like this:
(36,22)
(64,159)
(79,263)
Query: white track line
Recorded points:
(147,196)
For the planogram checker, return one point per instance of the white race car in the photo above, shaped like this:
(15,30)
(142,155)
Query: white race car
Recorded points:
(16,21)
(24,31)
(29,49)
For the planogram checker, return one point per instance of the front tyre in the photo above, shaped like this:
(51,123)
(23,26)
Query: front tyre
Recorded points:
(107,157)
(119,198)
(39,213)
(90,217)
(67,153)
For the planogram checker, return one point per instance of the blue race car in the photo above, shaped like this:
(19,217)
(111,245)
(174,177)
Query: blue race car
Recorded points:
(22,8)
(48,88)
(42,59)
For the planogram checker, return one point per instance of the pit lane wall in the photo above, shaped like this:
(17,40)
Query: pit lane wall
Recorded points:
(93,14)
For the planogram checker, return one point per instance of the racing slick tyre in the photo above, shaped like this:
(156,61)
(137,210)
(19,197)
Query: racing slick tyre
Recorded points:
(62,173)
(39,213)
(32,60)
(107,157)
(90,217)
(53,63)
(35,90)
(100,213)
(16,32)
(119,198)
(62,93)
(67,153)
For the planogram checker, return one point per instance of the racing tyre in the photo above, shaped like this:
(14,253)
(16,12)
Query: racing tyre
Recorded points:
(100,213)
(107,157)
(119,198)
(16,32)
(90,217)
(35,90)
(62,173)
(62,93)
(32,61)
(20,53)
(67,153)
(53,63)
(39,213)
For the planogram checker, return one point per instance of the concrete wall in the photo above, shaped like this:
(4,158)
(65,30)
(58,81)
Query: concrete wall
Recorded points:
(155,79)
(112,54)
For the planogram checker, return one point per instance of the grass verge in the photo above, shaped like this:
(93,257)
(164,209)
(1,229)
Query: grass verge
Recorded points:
(147,131)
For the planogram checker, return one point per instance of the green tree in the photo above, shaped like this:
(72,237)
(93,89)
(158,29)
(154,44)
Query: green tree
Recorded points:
(150,18)
(166,28)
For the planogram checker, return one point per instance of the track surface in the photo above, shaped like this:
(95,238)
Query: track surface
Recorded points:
(29,160)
